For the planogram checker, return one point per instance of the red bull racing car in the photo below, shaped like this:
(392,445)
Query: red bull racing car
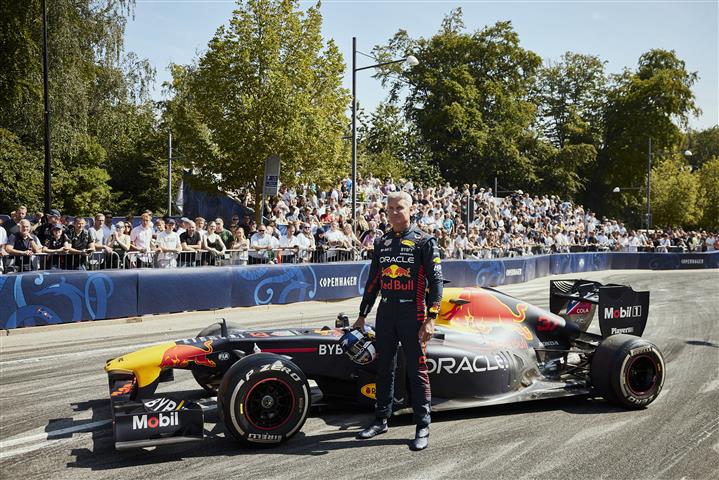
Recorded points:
(489,348)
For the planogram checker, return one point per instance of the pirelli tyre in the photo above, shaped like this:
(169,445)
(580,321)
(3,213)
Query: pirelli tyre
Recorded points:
(263,399)
(628,371)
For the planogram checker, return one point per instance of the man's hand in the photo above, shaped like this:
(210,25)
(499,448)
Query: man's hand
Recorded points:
(426,330)
(359,324)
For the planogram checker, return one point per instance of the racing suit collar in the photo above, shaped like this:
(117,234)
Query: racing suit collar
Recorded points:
(403,232)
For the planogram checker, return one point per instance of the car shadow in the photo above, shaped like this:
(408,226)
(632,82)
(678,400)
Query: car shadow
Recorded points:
(103,456)
(701,343)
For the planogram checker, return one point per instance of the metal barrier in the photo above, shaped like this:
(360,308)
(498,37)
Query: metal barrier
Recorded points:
(119,260)
(15,263)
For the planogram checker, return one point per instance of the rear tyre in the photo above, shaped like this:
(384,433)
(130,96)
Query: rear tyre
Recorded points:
(628,371)
(263,399)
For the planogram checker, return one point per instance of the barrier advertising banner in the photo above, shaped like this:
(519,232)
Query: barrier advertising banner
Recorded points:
(51,297)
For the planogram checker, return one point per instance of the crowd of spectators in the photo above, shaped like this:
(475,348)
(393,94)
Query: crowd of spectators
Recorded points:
(305,224)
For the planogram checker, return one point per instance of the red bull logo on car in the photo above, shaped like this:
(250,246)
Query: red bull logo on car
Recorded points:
(180,355)
(481,311)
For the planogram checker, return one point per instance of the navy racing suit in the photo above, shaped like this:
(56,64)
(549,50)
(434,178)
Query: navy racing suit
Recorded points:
(404,266)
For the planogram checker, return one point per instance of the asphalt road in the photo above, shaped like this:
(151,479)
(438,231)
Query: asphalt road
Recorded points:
(54,415)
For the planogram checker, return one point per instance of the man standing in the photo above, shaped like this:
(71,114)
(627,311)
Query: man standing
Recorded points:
(405,263)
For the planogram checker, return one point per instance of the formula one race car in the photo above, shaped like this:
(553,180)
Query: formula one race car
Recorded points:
(489,348)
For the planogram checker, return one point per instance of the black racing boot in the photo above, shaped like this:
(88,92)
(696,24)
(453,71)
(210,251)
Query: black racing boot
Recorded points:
(373,429)
(421,439)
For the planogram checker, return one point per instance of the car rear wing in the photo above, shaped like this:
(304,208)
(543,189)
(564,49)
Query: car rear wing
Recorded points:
(620,308)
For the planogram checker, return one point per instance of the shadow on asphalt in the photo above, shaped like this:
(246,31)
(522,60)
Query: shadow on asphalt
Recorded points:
(701,343)
(103,456)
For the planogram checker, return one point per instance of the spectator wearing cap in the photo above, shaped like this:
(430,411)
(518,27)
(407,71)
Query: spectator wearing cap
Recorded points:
(119,242)
(182,226)
(53,217)
(23,245)
(57,246)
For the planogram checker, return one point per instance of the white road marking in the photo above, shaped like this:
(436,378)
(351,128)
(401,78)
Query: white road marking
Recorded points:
(84,353)
(38,440)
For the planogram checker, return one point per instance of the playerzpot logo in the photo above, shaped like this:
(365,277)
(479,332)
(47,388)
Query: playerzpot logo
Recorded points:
(143,422)
(623,312)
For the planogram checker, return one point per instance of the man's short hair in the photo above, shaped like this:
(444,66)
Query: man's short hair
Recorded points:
(401,195)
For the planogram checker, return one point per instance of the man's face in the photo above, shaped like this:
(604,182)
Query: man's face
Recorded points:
(219,224)
(24,227)
(79,224)
(190,228)
(20,213)
(262,230)
(99,220)
(290,230)
(398,211)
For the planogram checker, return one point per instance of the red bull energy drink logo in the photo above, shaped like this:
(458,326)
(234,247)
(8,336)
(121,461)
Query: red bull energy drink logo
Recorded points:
(395,271)
(397,278)
(180,355)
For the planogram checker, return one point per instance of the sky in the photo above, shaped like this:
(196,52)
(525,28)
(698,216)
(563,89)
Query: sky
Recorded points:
(617,31)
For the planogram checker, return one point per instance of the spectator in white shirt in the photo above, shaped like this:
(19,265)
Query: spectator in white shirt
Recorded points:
(260,246)
(141,240)
(289,245)
(306,243)
(168,244)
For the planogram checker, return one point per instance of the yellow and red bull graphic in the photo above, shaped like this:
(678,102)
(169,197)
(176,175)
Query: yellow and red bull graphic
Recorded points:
(478,310)
(396,278)
(180,355)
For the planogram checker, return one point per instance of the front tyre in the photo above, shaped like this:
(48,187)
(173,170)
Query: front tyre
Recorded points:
(263,399)
(628,371)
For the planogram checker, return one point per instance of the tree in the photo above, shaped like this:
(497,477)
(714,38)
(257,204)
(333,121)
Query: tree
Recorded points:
(675,194)
(390,146)
(92,85)
(704,145)
(570,97)
(644,104)
(708,176)
(469,99)
(21,179)
(267,85)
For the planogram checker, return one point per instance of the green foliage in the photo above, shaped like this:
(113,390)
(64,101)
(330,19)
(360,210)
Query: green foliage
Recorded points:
(469,99)
(267,85)
(708,177)
(675,194)
(704,145)
(21,178)
(641,105)
(97,95)
(390,146)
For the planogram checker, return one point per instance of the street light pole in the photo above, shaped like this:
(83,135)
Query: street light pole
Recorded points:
(649,185)
(46,178)
(410,61)
(354,133)
(169,175)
